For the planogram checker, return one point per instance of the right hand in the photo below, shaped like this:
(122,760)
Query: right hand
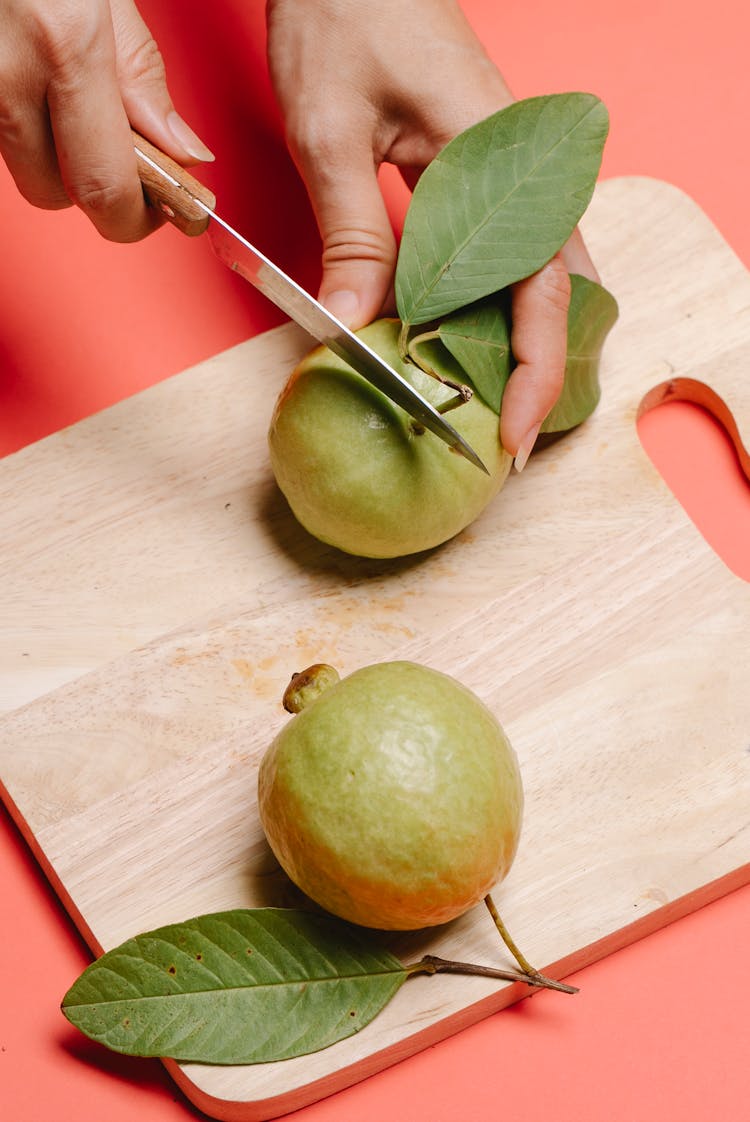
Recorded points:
(74,76)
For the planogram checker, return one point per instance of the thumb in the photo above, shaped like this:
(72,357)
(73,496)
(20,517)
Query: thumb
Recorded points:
(143,87)
(539,312)
(359,246)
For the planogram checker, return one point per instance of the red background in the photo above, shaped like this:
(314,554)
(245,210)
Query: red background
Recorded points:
(659,1030)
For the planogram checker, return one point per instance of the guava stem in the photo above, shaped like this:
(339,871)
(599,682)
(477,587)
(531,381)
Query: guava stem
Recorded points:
(432,964)
(529,971)
(464,393)
(307,685)
(453,402)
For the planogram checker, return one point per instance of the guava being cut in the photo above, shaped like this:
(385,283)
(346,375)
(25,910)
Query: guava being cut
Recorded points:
(393,799)
(359,474)
(492,207)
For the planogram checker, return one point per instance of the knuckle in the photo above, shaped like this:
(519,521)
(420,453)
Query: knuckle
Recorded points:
(323,138)
(71,36)
(346,243)
(315,144)
(553,284)
(34,170)
(96,194)
(44,196)
(108,202)
(12,124)
(144,64)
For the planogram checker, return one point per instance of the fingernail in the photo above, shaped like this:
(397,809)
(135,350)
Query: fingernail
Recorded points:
(344,305)
(187,139)
(525,447)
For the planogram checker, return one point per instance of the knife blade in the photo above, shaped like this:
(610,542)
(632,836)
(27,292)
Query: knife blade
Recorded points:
(191,208)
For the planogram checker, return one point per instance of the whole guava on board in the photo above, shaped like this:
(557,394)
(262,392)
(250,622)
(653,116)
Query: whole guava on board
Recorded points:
(359,474)
(393,798)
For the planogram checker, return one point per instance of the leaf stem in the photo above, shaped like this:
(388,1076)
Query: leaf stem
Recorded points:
(433,964)
(418,340)
(463,393)
(453,402)
(403,340)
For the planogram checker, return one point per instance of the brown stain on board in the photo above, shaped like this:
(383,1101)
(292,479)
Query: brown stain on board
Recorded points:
(185,657)
(244,668)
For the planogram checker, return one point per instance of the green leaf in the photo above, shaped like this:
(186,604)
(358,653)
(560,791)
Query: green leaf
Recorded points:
(235,987)
(498,202)
(592,314)
(478,337)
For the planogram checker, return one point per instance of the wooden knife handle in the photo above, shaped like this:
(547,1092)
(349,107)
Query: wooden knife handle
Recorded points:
(175,200)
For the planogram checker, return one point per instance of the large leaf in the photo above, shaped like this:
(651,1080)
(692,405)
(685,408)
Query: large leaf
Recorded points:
(235,987)
(498,202)
(478,337)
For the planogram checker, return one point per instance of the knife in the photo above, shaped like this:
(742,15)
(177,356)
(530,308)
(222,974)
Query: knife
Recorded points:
(190,207)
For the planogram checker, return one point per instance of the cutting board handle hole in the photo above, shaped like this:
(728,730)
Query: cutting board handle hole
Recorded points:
(693,441)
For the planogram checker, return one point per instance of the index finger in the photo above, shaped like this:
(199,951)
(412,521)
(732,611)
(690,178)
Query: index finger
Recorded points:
(92,135)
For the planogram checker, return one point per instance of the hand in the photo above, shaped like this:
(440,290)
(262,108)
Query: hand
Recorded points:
(362,83)
(74,74)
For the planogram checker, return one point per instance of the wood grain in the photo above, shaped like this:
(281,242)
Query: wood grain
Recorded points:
(159,587)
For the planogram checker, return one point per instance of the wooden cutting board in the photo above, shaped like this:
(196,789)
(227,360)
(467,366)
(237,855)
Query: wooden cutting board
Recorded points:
(157,595)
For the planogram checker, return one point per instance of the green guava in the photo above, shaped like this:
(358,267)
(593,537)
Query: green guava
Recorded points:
(393,799)
(356,470)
